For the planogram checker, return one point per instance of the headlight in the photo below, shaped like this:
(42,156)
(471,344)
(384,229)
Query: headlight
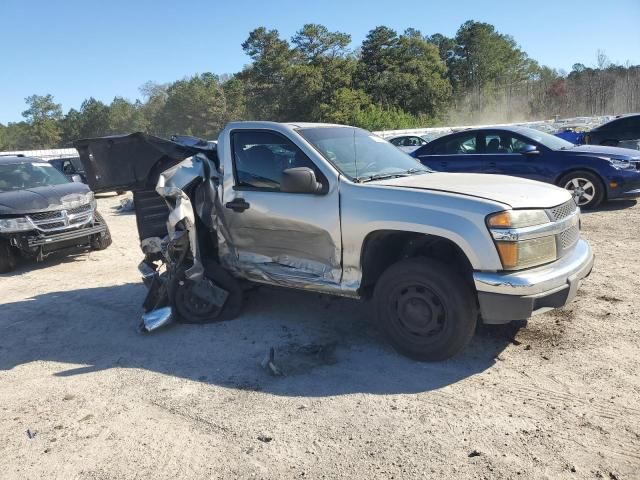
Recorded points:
(506,227)
(618,163)
(527,253)
(91,199)
(621,164)
(517,218)
(21,224)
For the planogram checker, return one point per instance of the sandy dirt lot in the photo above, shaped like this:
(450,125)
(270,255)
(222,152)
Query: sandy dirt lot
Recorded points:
(83,395)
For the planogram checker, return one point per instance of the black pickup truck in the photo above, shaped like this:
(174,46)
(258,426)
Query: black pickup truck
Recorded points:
(41,212)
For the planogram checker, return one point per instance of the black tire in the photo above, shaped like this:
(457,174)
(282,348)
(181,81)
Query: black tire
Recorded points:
(8,259)
(102,240)
(186,311)
(411,294)
(589,182)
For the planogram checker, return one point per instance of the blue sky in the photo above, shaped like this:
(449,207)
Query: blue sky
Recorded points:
(74,49)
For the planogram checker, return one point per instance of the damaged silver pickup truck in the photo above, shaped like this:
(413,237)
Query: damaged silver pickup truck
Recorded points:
(338,210)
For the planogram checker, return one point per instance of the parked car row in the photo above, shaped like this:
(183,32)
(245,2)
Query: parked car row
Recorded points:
(620,132)
(42,212)
(592,173)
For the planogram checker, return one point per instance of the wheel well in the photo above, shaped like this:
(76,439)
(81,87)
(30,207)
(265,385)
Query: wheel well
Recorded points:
(588,170)
(383,248)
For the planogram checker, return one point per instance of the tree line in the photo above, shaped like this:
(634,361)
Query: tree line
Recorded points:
(391,81)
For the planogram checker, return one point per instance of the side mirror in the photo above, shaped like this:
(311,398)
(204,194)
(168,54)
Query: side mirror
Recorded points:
(530,150)
(76,178)
(299,180)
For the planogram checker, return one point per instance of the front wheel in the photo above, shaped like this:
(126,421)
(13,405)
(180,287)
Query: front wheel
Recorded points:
(8,260)
(586,188)
(192,301)
(427,311)
(101,240)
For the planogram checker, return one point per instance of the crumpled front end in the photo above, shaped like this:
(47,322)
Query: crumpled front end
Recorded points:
(173,187)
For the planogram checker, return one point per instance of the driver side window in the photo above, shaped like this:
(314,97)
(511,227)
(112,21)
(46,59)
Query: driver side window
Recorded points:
(503,143)
(260,157)
(460,145)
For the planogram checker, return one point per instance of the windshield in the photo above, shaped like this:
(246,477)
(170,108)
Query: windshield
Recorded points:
(20,176)
(549,141)
(359,154)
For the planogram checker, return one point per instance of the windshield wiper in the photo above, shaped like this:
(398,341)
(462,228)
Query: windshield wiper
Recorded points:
(383,176)
(411,171)
(380,176)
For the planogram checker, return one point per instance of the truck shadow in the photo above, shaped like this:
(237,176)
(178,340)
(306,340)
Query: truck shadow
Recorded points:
(324,347)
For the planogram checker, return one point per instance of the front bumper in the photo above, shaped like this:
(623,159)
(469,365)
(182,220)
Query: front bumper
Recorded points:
(41,244)
(627,184)
(507,296)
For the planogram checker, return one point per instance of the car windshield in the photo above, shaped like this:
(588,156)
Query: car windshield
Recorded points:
(361,155)
(549,141)
(23,175)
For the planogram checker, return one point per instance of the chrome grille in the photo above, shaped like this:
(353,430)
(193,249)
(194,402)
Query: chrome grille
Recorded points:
(50,226)
(80,209)
(58,220)
(563,211)
(45,215)
(569,237)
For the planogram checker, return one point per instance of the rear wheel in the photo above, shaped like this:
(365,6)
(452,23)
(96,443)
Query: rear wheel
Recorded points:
(427,310)
(586,187)
(8,259)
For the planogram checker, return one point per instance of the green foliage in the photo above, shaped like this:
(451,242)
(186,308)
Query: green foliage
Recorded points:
(405,72)
(42,117)
(94,119)
(265,77)
(193,106)
(392,81)
(125,117)
(17,136)
(375,117)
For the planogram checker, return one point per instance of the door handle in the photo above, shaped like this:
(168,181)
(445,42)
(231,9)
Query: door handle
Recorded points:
(238,205)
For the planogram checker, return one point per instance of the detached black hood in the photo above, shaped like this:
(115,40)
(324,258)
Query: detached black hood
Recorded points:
(40,198)
(131,162)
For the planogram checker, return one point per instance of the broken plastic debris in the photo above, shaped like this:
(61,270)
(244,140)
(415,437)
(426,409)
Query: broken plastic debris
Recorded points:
(268,363)
(155,319)
(126,205)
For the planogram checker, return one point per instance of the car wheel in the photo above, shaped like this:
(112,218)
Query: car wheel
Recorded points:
(586,187)
(191,305)
(101,240)
(427,311)
(8,259)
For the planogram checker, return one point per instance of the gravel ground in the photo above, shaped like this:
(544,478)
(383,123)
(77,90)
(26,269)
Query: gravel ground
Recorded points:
(83,395)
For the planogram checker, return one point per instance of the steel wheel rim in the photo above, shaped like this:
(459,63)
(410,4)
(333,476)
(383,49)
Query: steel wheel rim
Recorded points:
(418,313)
(582,189)
(192,303)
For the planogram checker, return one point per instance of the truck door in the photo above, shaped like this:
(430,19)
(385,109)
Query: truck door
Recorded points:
(284,238)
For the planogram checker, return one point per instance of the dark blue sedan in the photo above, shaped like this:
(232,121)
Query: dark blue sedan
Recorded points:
(592,173)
